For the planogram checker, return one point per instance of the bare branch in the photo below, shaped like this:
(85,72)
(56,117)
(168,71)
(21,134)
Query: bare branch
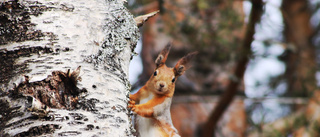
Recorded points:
(227,97)
(140,20)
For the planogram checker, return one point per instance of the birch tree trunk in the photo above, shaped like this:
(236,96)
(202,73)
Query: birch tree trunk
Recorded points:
(43,91)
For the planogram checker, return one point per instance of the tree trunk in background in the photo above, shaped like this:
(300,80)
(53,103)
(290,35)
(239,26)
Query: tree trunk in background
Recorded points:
(300,74)
(244,53)
(148,48)
(42,43)
(301,59)
(190,111)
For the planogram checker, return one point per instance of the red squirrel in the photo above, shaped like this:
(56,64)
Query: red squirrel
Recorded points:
(153,112)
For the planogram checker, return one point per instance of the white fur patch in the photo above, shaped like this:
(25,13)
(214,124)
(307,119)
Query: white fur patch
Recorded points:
(146,126)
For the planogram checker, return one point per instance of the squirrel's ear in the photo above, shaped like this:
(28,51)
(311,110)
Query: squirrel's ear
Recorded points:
(183,64)
(162,57)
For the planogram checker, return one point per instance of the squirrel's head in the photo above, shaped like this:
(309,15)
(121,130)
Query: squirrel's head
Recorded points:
(163,79)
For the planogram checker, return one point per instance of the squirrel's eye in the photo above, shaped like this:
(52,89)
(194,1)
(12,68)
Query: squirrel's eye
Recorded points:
(155,73)
(173,79)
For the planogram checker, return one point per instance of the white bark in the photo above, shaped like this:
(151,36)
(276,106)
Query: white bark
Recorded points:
(99,36)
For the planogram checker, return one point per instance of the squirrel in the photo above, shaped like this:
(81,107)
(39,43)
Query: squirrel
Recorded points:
(153,113)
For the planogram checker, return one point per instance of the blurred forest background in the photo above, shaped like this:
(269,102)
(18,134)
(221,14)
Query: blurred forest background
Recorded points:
(256,73)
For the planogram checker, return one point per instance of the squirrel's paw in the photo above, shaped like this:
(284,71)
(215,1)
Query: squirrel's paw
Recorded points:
(134,108)
(131,102)
(131,105)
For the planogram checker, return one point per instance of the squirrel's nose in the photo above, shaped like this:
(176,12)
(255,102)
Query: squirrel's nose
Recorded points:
(161,85)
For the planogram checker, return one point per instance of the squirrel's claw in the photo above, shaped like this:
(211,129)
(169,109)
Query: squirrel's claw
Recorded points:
(132,107)
(131,102)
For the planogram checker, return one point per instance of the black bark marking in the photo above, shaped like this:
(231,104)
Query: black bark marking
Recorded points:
(15,24)
(89,127)
(77,116)
(69,133)
(7,59)
(87,104)
(7,113)
(39,130)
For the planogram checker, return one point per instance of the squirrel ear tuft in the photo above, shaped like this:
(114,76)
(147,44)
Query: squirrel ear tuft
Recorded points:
(162,57)
(183,64)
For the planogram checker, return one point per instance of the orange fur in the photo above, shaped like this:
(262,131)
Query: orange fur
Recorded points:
(157,93)
(146,109)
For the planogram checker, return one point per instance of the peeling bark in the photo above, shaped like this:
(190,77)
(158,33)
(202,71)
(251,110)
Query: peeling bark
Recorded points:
(58,90)
(300,52)
(40,43)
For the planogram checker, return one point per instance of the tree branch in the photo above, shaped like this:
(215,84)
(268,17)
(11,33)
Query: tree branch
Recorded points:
(227,97)
(140,20)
